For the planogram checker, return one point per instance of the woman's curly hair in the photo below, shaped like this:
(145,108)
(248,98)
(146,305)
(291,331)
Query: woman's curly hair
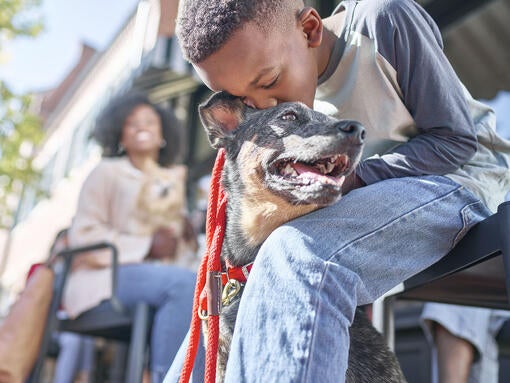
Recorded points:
(109,125)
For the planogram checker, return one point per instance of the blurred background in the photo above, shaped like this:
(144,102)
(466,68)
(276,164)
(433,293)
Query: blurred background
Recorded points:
(61,61)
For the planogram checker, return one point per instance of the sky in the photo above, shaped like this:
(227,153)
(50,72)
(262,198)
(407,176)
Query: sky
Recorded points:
(40,63)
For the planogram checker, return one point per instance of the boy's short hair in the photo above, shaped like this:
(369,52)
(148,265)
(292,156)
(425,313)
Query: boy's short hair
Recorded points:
(203,26)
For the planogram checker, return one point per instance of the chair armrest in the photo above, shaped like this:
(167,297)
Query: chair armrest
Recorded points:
(504,239)
(484,241)
(69,255)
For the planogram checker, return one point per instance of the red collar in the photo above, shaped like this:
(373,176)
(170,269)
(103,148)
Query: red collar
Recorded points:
(239,273)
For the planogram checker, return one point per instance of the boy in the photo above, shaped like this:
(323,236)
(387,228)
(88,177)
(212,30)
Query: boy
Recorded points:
(429,173)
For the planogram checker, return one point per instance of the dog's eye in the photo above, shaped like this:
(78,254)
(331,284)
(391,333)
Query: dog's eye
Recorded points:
(289,116)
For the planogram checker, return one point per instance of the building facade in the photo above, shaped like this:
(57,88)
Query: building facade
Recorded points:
(145,56)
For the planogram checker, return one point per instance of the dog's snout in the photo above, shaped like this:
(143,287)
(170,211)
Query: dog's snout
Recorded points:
(353,129)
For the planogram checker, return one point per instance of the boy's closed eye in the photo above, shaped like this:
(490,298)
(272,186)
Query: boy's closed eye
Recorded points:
(272,82)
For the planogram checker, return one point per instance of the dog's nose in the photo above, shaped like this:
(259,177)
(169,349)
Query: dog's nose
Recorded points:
(353,129)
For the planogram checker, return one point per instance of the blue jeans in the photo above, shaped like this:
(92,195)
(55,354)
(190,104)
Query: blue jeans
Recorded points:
(76,354)
(174,372)
(311,273)
(169,290)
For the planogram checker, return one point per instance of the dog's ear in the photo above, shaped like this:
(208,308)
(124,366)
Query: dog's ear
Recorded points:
(221,115)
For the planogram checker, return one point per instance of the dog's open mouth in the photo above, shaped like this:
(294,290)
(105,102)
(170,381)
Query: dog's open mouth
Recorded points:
(328,170)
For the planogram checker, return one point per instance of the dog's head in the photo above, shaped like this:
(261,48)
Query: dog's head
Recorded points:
(297,153)
(281,162)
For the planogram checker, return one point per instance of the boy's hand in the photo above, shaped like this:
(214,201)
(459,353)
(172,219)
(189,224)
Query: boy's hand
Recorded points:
(352,181)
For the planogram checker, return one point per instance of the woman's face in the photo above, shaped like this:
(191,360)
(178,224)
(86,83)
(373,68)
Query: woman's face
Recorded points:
(142,132)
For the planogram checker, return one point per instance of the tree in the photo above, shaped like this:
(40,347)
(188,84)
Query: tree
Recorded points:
(18,18)
(20,129)
(20,132)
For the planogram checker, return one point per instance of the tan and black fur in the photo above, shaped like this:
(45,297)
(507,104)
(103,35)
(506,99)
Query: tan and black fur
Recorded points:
(282,163)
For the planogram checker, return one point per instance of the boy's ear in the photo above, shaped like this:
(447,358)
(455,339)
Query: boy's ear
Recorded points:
(311,23)
(221,115)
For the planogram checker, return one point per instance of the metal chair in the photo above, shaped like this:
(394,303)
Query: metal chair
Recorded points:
(108,320)
(503,338)
(476,272)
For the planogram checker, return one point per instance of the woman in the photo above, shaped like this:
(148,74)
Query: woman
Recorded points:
(135,199)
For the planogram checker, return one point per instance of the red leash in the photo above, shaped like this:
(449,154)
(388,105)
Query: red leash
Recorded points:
(209,279)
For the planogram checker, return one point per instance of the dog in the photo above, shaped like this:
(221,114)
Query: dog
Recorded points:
(161,203)
(281,163)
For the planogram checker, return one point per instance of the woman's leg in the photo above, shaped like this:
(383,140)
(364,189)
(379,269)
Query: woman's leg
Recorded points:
(87,361)
(69,356)
(169,289)
(310,274)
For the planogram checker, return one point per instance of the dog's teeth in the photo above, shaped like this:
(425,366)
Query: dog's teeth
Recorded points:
(333,159)
(329,167)
(288,170)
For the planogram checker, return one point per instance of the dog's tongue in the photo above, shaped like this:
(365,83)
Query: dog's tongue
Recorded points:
(301,169)
(313,174)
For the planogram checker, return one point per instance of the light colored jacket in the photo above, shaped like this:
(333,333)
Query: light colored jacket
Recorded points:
(112,207)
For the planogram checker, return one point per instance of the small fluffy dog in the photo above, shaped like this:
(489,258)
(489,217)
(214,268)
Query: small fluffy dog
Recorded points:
(161,203)
(282,163)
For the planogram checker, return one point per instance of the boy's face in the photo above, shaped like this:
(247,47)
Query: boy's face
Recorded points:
(264,69)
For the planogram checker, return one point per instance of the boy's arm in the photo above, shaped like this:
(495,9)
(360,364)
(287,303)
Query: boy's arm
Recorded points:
(410,41)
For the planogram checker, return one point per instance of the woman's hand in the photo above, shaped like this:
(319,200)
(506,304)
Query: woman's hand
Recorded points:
(164,244)
(189,234)
(91,260)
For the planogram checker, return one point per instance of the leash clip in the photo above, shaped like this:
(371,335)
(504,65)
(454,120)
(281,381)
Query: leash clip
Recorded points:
(231,289)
